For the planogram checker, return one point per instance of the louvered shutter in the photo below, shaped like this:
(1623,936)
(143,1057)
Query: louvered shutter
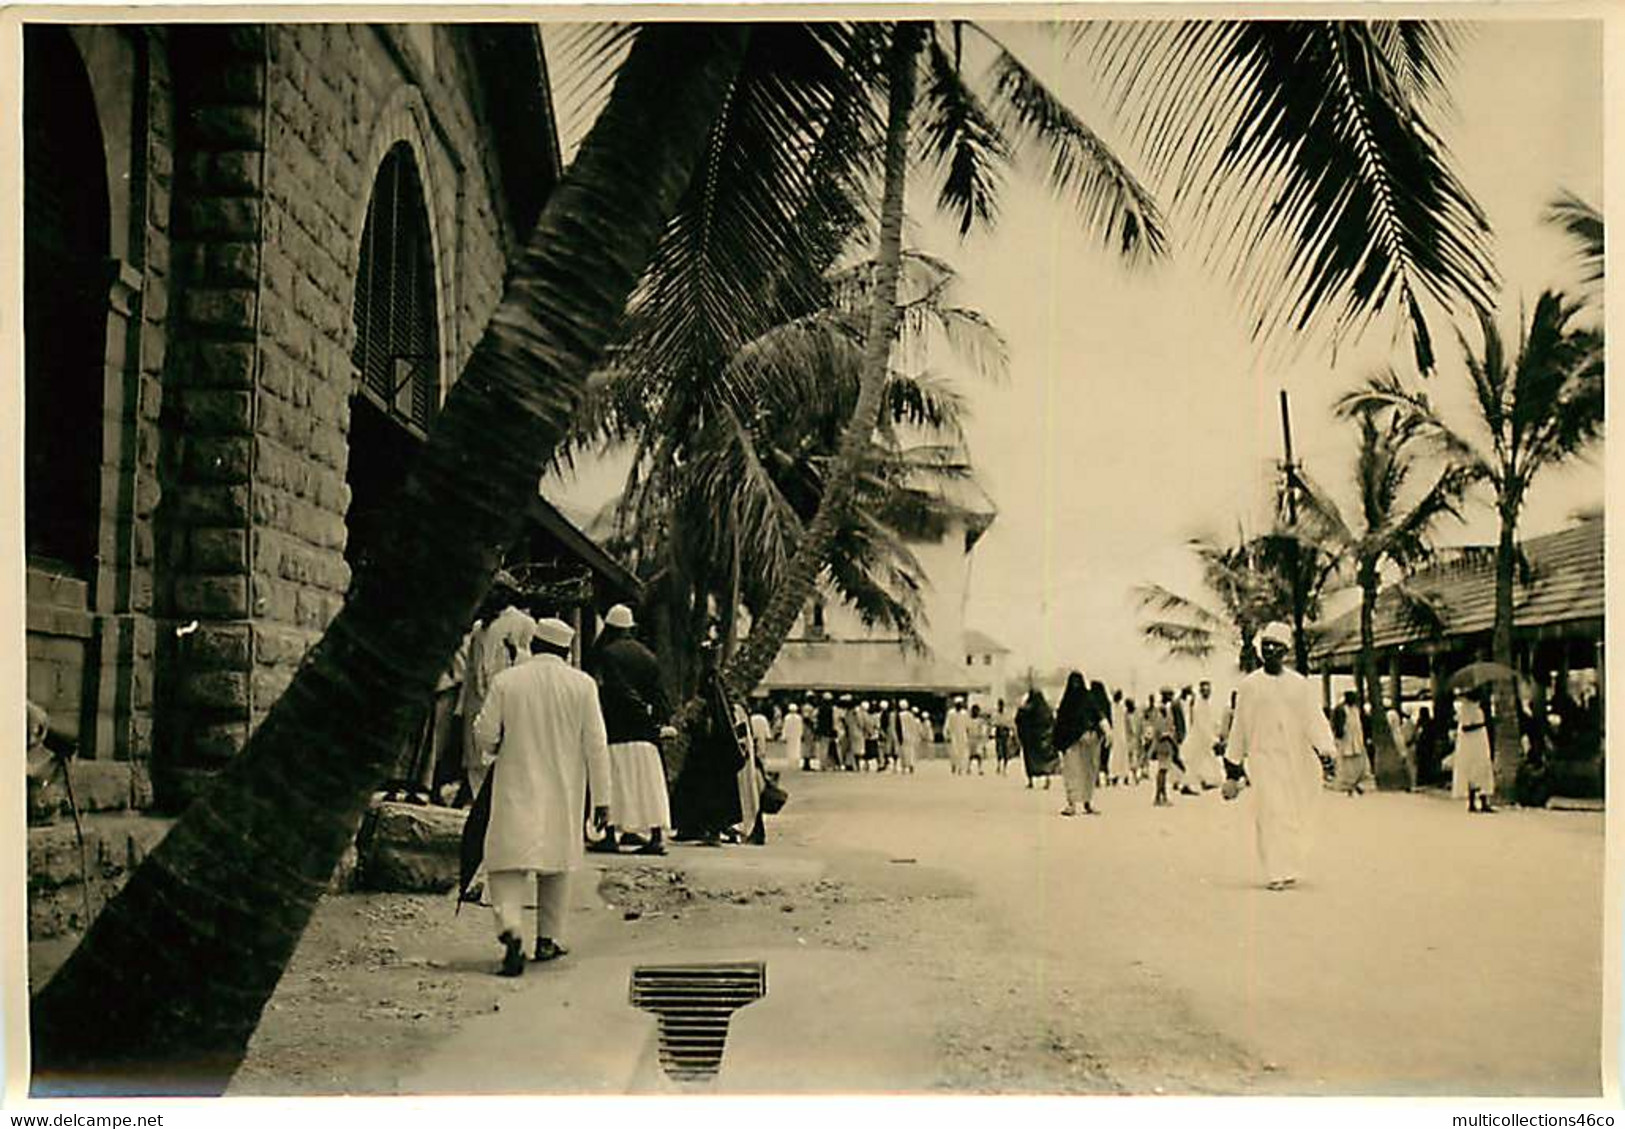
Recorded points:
(397,344)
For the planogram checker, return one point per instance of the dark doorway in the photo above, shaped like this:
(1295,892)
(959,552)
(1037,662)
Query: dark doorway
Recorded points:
(66,276)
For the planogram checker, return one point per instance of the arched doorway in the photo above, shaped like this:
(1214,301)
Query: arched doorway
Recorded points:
(66,277)
(397,348)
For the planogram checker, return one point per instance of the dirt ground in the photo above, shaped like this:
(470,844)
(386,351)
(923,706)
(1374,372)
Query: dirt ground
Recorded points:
(951,935)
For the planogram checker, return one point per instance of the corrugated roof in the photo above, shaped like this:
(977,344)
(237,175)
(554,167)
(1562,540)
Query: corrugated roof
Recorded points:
(1566,587)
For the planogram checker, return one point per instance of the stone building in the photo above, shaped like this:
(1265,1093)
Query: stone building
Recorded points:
(256,257)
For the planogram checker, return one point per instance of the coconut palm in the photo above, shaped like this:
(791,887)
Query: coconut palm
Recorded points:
(215,913)
(167,986)
(1537,408)
(1251,584)
(1336,186)
(1393,526)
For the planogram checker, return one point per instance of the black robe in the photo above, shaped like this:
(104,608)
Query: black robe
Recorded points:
(705,794)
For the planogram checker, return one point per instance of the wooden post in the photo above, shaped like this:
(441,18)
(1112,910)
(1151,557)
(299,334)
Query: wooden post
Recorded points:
(1396,683)
(1326,688)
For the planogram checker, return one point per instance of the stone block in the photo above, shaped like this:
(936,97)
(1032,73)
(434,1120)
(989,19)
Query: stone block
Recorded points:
(219,364)
(214,458)
(141,686)
(281,646)
(155,297)
(227,127)
(219,550)
(216,689)
(224,646)
(411,849)
(214,505)
(154,349)
(217,411)
(276,600)
(221,307)
(216,744)
(148,493)
(237,263)
(269,683)
(115,844)
(227,216)
(212,597)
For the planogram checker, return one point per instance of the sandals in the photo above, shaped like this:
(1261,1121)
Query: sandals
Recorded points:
(513,955)
(548,949)
(604,847)
(651,849)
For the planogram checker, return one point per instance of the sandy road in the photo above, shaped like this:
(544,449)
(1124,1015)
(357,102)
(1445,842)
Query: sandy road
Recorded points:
(1430,952)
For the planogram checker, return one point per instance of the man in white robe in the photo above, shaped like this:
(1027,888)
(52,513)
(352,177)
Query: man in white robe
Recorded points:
(541,731)
(498,646)
(1202,766)
(957,731)
(793,725)
(1277,730)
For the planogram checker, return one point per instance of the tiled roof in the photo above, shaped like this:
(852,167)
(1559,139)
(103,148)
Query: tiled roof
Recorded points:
(976,643)
(1566,588)
(861,665)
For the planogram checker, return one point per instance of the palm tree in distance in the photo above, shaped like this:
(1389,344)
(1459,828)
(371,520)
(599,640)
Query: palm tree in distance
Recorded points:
(1536,408)
(1251,582)
(1388,529)
(212,916)
(1351,177)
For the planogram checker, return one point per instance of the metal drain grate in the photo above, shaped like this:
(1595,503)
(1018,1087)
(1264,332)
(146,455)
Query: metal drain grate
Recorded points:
(693,1003)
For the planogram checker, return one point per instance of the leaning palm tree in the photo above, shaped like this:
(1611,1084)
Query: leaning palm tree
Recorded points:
(1536,409)
(167,986)
(1394,526)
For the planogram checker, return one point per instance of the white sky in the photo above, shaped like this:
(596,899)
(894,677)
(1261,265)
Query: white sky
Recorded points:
(1138,414)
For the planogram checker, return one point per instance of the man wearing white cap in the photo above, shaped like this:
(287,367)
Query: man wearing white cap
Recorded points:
(635,710)
(793,728)
(542,735)
(1277,731)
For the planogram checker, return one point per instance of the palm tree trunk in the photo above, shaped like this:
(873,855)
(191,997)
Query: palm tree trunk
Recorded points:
(166,989)
(1508,739)
(812,554)
(1389,766)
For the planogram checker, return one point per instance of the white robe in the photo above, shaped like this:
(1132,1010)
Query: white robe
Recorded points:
(957,730)
(1277,728)
(1118,761)
(543,730)
(1202,767)
(792,739)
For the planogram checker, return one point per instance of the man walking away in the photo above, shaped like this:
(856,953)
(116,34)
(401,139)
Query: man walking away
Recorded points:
(794,751)
(1278,731)
(635,707)
(541,723)
(1162,724)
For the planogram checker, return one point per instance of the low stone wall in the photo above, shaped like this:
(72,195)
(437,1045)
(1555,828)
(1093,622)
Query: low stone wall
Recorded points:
(410,848)
(97,786)
(114,845)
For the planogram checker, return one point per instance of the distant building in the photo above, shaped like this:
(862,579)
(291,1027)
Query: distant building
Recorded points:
(1558,635)
(829,648)
(988,659)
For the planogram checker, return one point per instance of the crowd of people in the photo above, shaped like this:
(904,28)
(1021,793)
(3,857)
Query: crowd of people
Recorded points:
(557,761)
(549,751)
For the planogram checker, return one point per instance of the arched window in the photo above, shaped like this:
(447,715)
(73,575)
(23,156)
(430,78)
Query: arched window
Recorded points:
(65,286)
(397,348)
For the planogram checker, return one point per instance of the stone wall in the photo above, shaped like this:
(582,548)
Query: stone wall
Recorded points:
(285,127)
(92,640)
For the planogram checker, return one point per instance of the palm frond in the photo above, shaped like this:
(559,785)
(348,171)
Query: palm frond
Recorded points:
(1583,224)
(1332,199)
(962,139)
(1080,164)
